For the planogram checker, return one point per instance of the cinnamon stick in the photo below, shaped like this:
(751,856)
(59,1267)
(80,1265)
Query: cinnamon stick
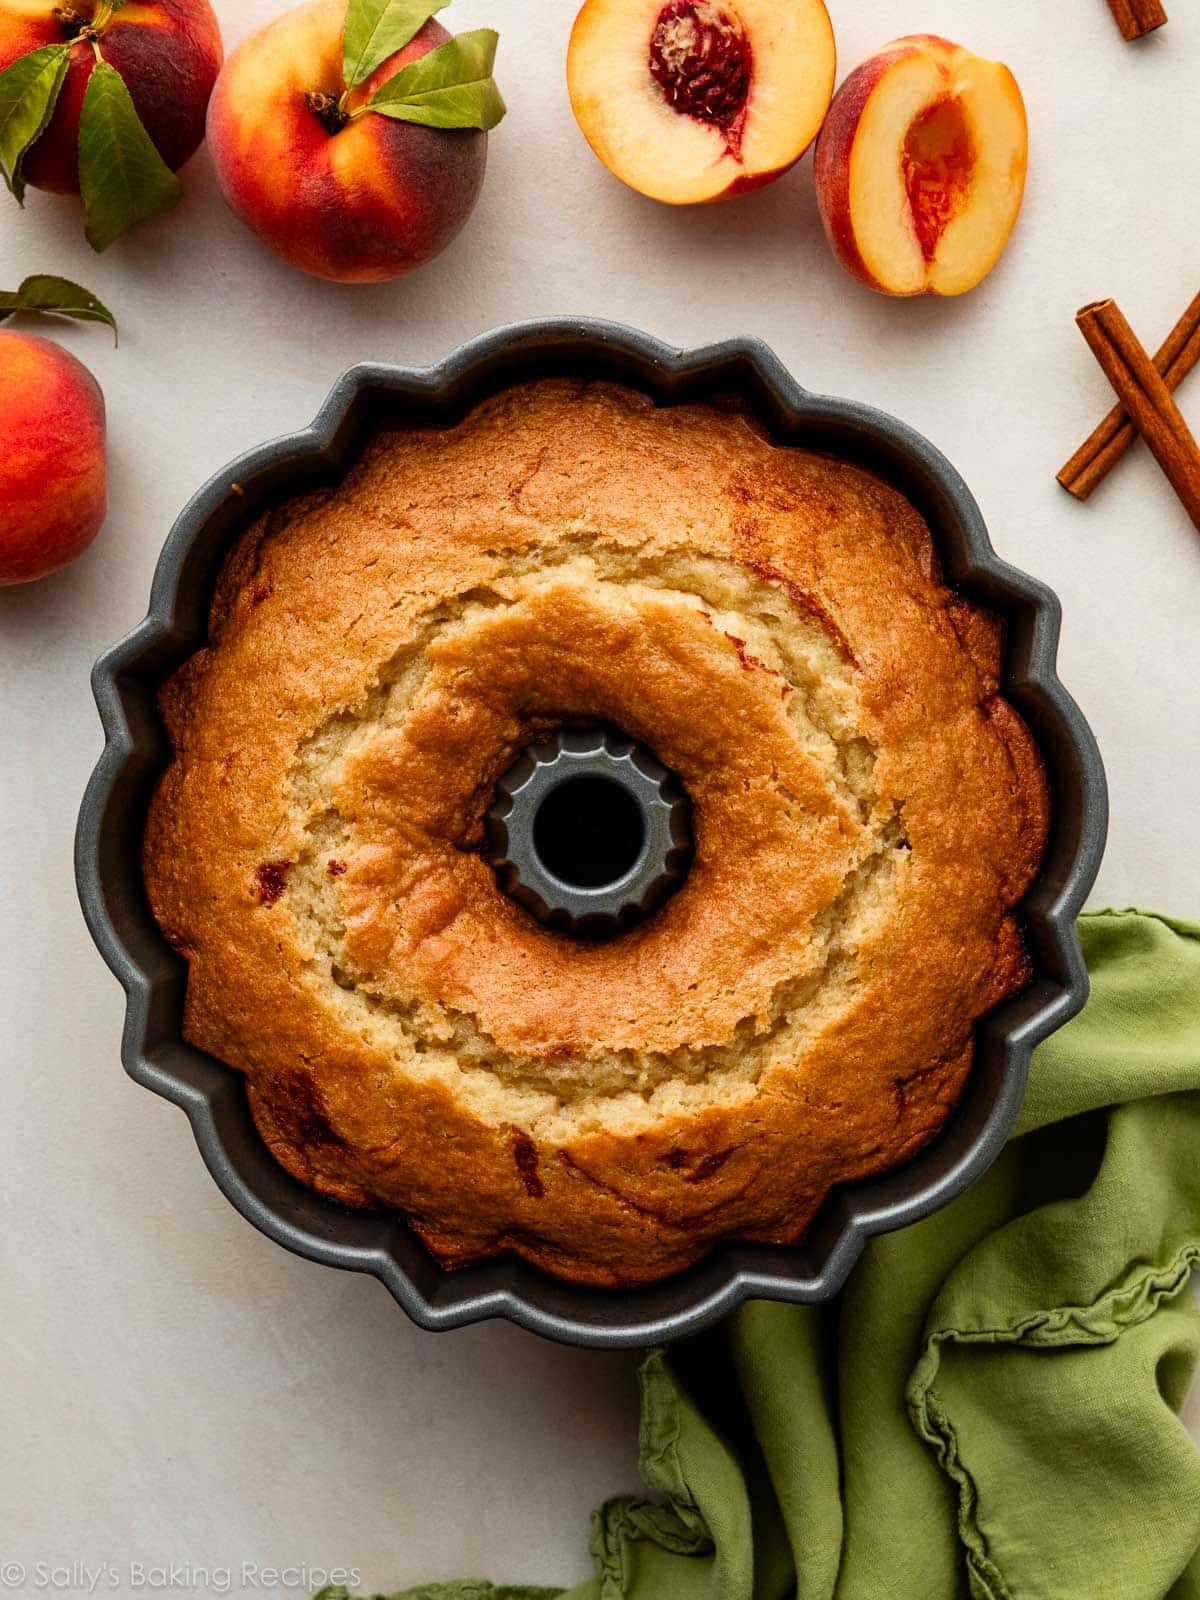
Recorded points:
(1109,441)
(1140,388)
(1136,18)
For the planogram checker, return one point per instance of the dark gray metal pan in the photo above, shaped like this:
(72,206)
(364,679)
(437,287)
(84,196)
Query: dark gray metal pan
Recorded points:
(108,843)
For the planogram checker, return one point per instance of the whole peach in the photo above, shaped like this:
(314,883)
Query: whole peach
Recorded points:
(53,478)
(360,203)
(167,51)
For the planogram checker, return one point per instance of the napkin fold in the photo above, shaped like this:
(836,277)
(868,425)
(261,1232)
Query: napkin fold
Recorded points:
(990,1410)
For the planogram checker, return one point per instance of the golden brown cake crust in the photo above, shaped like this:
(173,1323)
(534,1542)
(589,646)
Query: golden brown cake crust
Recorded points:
(866,810)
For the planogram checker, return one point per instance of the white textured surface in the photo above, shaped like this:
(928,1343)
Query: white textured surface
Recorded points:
(176,1388)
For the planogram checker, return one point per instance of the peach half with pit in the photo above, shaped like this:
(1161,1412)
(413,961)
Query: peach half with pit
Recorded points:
(689,101)
(920,167)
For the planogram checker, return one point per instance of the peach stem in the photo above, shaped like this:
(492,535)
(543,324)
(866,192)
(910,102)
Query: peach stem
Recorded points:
(85,28)
(327,110)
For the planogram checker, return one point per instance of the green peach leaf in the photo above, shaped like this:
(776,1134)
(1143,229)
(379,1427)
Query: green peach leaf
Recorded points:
(55,297)
(451,87)
(122,177)
(29,91)
(376,29)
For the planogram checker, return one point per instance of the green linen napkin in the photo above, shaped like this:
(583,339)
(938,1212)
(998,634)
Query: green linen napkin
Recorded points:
(991,1410)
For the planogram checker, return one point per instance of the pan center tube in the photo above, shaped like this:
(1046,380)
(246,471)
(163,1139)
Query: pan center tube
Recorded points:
(589,832)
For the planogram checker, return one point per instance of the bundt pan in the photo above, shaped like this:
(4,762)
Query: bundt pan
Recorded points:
(108,845)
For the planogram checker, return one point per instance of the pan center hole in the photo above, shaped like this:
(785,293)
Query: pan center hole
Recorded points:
(589,832)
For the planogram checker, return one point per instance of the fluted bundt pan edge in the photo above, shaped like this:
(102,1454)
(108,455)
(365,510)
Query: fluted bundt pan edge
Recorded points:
(108,842)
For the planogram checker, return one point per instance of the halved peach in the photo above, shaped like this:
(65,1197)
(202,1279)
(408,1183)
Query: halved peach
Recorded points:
(920,167)
(694,100)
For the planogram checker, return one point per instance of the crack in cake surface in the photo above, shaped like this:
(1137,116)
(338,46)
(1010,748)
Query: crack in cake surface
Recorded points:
(773,624)
(424,1035)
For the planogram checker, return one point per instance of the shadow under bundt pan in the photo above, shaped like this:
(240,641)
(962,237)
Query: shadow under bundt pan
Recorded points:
(108,842)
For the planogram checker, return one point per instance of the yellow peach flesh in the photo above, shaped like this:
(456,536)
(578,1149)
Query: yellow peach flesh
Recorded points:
(679,158)
(959,118)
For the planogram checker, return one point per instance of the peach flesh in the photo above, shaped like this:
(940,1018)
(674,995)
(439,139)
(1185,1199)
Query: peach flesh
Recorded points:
(939,157)
(700,59)
(920,167)
(691,101)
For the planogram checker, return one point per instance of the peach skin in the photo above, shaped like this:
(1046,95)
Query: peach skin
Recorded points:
(689,101)
(920,167)
(357,200)
(167,51)
(53,478)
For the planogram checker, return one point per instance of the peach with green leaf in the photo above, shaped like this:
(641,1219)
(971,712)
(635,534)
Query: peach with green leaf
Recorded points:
(53,474)
(352,137)
(105,98)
